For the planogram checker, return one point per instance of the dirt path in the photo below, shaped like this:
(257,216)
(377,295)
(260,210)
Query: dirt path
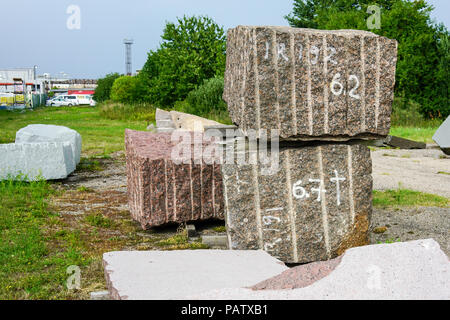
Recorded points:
(425,170)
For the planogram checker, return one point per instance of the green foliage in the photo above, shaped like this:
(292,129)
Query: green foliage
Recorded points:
(131,111)
(406,112)
(127,89)
(192,51)
(104,85)
(423,52)
(207,97)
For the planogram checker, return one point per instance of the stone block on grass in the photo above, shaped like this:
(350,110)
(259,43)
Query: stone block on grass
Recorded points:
(161,190)
(33,161)
(51,133)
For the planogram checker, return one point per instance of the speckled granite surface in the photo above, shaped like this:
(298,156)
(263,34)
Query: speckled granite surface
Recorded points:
(315,206)
(310,84)
(162,191)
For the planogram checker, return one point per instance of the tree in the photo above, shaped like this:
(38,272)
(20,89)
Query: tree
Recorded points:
(192,51)
(104,85)
(422,66)
(127,89)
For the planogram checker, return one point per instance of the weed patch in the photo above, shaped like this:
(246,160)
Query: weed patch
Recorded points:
(405,197)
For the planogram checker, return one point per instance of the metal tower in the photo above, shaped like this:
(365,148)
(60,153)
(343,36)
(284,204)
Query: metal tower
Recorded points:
(128,43)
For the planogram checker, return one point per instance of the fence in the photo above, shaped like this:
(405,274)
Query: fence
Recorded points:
(20,101)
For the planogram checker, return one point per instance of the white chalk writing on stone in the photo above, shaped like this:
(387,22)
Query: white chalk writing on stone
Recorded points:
(337,180)
(319,190)
(316,52)
(281,51)
(300,192)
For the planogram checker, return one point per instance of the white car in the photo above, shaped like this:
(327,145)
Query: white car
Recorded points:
(92,102)
(64,100)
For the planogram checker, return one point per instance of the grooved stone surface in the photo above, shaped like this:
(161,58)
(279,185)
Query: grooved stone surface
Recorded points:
(314,207)
(162,191)
(161,275)
(407,270)
(310,84)
(51,133)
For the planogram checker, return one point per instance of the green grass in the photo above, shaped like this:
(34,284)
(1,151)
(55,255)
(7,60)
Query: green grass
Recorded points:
(89,164)
(98,220)
(405,197)
(100,136)
(30,268)
(129,112)
(389,241)
(220,229)
(419,134)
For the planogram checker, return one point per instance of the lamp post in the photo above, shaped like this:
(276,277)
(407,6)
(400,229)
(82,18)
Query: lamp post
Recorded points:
(35,85)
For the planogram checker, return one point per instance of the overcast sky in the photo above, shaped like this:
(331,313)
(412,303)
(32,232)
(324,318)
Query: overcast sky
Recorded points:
(36,32)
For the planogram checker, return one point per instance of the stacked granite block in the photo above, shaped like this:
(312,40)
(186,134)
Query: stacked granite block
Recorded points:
(323,91)
(310,84)
(163,188)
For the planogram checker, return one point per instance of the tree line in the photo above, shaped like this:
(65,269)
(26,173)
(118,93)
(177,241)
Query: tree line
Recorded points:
(187,69)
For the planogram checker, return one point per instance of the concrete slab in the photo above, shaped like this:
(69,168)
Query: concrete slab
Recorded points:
(406,270)
(51,133)
(163,275)
(48,160)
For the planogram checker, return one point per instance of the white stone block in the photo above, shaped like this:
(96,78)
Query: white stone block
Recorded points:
(51,133)
(161,275)
(442,136)
(47,160)
(416,270)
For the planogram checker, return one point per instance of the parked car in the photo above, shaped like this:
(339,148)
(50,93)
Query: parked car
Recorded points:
(63,100)
(92,102)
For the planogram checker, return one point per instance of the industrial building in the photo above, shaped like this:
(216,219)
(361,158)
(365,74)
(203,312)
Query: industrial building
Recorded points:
(22,87)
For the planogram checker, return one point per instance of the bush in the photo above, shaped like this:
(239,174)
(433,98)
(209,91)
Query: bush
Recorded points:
(207,97)
(192,51)
(127,89)
(407,113)
(206,101)
(104,85)
(120,111)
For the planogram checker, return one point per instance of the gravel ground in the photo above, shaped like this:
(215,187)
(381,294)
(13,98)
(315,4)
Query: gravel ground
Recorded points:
(407,224)
(426,170)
